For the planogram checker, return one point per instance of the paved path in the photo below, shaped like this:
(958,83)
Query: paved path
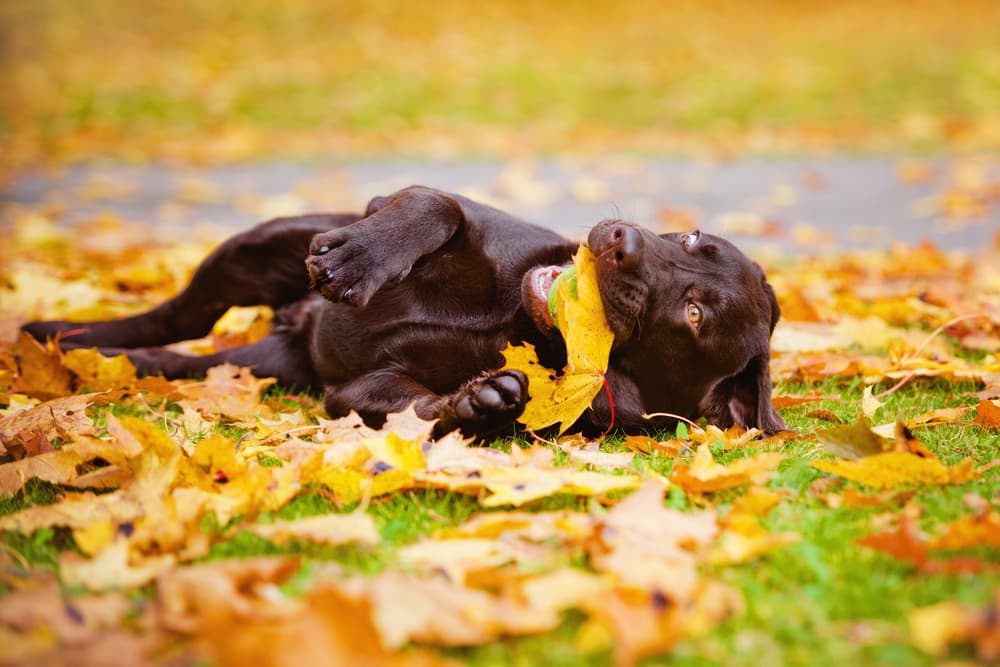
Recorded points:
(810,206)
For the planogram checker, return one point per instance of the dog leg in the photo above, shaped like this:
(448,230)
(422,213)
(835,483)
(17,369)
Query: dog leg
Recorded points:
(262,266)
(481,407)
(486,405)
(280,355)
(352,263)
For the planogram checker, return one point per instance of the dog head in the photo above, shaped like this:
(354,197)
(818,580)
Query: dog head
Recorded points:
(692,318)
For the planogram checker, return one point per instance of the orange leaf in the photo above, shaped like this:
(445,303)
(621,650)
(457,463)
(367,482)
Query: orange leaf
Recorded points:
(704,474)
(42,373)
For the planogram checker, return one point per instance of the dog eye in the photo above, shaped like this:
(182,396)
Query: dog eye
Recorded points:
(694,314)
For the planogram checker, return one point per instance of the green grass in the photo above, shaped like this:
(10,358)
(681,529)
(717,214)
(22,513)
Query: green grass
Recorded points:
(822,601)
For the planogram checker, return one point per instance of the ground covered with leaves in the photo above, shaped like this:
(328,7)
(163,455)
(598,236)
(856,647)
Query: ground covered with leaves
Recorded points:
(222,519)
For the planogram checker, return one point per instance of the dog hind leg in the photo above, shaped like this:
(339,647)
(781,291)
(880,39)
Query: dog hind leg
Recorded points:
(262,266)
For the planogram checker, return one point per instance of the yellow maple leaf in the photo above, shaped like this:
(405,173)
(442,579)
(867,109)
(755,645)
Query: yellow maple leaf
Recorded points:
(97,372)
(893,469)
(562,398)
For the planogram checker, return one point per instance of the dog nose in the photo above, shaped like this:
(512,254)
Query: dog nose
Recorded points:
(618,242)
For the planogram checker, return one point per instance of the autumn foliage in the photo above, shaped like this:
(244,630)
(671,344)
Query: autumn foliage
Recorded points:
(153,485)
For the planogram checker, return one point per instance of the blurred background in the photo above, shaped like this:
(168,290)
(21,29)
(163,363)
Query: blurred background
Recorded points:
(788,121)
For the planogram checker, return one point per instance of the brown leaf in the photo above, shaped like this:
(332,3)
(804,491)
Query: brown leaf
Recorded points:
(938,417)
(905,442)
(647,445)
(60,466)
(825,415)
(980,529)
(788,400)
(50,419)
(329,627)
(435,610)
(227,391)
(221,592)
(906,542)
(743,538)
(649,546)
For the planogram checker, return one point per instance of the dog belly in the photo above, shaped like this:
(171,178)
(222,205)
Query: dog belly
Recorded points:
(441,355)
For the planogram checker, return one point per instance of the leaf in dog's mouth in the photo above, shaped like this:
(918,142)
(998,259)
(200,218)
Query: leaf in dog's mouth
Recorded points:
(575,303)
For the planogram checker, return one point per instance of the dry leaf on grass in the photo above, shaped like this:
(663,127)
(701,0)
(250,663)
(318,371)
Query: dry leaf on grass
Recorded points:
(934,628)
(895,469)
(704,474)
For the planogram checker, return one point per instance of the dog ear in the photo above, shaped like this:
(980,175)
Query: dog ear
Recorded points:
(744,399)
(770,298)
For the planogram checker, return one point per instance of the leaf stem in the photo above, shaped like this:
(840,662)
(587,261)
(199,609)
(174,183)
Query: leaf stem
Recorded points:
(650,415)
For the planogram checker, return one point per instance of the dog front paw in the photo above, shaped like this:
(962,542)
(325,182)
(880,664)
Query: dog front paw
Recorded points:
(346,266)
(487,404)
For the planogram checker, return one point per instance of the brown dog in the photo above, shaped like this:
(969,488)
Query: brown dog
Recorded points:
(412,302)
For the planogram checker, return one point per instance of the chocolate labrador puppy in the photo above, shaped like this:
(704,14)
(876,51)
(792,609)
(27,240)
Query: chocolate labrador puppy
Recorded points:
(412,302)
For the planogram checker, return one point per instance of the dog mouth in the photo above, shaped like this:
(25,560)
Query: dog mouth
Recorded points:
(536,290)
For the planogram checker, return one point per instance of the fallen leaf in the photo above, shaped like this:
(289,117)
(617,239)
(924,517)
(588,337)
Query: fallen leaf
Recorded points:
(981,529)
(326,529)
(890,470)
(227,391)
(704,474)
(41,370)
(650,547)
(908,543)
(99,373)
(852,442)
(934,628)
(780,401)
(52,419)
(645,623)
(113,568)
(988,414)
(869,404)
